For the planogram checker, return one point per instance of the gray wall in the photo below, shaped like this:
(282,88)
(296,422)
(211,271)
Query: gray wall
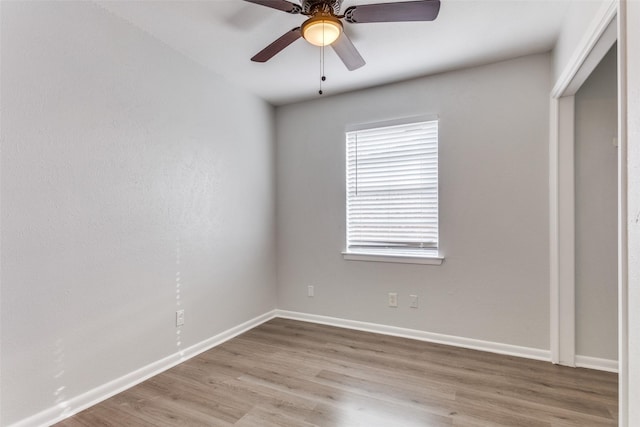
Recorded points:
(596,175)
(494,283)
(131,186)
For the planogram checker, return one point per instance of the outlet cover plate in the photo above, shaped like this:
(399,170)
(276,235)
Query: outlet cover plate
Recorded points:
(179,317)
(393,299)
(414,301)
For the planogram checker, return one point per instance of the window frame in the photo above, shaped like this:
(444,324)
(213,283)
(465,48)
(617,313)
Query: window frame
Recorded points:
(433,257)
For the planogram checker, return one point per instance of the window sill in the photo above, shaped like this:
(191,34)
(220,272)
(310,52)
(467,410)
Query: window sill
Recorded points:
(402,259)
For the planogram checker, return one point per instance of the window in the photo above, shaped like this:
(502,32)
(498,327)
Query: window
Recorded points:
(392,191)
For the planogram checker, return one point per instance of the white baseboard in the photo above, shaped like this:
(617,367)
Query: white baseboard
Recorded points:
(76,404)
(493,347)
(608,365)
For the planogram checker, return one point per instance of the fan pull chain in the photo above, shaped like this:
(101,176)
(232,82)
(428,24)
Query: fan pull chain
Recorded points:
(322,76)
(320,91)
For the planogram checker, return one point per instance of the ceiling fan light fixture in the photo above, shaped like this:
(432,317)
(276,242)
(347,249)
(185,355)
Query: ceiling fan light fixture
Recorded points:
(321,30)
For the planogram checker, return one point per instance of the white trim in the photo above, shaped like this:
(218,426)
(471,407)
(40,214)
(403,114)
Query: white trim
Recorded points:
(592,36)
(599,50)
(76,404)
(624,406)
(79,403)
(588,362)
(474,344)
(402,259)
(612,14)
(554,261)
(597,40)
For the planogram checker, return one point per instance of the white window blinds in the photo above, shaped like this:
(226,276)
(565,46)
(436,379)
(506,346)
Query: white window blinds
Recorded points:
(392,189)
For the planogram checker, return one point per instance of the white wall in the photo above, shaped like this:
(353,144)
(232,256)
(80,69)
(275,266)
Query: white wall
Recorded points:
(596,226)
(494,284)
(580,16)
(632,120)
(130,177)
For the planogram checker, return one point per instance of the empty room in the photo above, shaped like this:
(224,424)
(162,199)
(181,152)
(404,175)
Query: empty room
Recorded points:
(327,213)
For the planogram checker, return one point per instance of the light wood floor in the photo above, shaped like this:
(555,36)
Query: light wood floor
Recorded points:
(289,373)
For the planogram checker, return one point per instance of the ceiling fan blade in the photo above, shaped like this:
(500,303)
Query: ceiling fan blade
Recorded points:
(270,51)
(348,52)
(419,10)
(282,5)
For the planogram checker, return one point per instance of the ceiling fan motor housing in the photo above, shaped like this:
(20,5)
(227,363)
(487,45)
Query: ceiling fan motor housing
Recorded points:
(311,7)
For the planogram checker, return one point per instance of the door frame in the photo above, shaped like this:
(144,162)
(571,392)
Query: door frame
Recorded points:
(607,27)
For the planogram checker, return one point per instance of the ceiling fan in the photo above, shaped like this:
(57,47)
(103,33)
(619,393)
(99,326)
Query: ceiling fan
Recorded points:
(324,25)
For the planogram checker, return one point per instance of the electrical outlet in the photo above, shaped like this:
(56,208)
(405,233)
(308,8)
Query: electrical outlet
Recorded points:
(393,299)
(413,301)
(179,317)
(310,291)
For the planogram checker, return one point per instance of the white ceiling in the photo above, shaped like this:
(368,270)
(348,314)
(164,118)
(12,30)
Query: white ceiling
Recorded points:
(223,34)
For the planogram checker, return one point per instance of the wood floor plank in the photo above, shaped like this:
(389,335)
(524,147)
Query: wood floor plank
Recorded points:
(509,405)
(355,414)
(290,373)
(265,415)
